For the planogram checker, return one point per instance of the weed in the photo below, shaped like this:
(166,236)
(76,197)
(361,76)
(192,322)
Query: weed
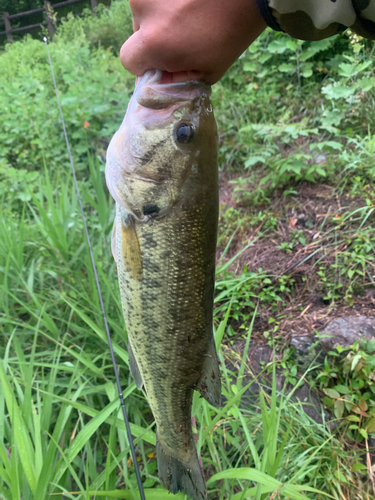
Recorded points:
(348,380)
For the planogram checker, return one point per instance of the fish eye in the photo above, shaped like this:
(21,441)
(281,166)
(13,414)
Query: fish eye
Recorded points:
(184,133)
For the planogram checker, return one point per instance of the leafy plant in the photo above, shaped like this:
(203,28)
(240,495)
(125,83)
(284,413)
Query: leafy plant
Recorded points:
(109,27)
(348,380)
(92,96)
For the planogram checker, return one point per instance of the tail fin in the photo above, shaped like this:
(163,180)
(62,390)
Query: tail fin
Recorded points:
(178,476)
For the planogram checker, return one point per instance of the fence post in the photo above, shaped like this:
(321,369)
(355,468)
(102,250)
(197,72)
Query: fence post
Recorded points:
(48,8)
(8,27)
(94,3)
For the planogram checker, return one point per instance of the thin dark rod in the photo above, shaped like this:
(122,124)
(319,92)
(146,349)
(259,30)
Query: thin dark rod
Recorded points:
(36,11)
(23,28)
(26,13)
(140,485)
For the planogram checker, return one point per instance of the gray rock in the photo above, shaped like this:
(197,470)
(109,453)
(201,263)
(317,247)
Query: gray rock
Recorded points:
(320,158)
(310,403)
(345,331)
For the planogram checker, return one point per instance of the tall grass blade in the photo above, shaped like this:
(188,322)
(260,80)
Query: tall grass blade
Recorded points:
(20,430)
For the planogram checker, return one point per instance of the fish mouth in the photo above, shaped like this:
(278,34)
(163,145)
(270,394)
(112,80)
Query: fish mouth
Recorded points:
(152,94)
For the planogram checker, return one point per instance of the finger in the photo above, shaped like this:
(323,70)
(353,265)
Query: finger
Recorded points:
(137,57)
(132,55)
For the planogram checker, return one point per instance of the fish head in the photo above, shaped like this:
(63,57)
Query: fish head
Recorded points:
(159,144)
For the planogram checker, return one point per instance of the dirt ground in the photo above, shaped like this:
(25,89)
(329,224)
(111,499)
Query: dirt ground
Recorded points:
(315,212)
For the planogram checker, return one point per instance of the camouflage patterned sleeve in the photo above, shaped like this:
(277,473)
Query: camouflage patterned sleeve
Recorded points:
(317,19)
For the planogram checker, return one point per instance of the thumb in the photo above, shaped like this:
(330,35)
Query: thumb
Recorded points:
(137,58)
(133,55)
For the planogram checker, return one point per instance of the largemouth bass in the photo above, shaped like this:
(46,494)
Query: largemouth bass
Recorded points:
(162,172)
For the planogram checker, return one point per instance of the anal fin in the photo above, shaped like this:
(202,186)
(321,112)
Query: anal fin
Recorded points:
(134,370)
(209,384)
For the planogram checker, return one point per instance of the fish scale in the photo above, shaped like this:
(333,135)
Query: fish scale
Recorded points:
(169,308)
(165,244)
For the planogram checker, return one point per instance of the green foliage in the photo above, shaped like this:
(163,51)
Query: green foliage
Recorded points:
(108,28)
(348,380)
(36,18)
(234,220)
(266,462)
(62,426)
(246,291)
(94,93)
(354,259)
(51,424)
(57,393)
(288,110)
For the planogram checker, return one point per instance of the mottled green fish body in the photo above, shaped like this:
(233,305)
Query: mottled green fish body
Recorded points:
(162,171)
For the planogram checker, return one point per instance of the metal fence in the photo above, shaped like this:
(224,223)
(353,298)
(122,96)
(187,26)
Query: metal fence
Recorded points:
(48,9)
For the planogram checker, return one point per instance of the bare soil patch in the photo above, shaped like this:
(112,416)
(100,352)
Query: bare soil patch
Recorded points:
(305,237)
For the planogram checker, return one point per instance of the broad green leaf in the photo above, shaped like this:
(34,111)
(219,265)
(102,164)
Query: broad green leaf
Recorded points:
(287,68)
(366,83)
(332,393)
(250,474)
(338,91)
(363,433)
(342,389)
(307,70)
(338,408)
(370,347)
(356,360)
(253,160)
(370,427)
(348,70)
(358,466)
(353,418)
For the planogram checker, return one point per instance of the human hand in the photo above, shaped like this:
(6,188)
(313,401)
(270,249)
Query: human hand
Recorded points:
(190,39)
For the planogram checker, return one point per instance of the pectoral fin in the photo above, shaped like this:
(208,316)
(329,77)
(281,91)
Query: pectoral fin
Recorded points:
(134,370)
(209,385)
(130,249)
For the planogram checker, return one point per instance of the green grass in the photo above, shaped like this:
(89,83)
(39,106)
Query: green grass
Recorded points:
(61,433)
